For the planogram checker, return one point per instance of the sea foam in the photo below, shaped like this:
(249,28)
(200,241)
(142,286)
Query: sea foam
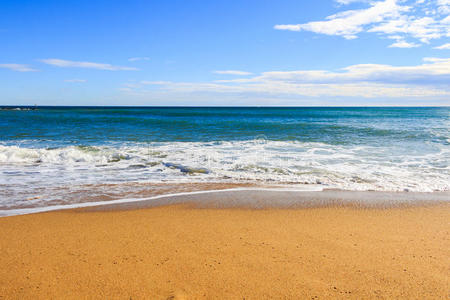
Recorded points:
(33,172)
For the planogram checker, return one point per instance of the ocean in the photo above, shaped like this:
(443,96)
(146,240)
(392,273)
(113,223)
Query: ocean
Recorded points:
(50,154)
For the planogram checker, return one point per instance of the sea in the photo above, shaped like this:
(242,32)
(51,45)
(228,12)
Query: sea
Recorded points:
(69,155)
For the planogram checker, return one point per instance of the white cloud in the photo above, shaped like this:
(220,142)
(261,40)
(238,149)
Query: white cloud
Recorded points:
(88,65)
(351,22)
(395,37)
(403,44)
(290,27)
(346,2)
(429,79)
(17,67)
(145,82)
(400,42)
(75,80)
(421,20)
(443,47)
(232,72)
(433,71)
(424,29)
(279,89)
(443,6)
(138,58)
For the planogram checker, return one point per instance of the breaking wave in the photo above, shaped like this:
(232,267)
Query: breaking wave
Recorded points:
(28,172)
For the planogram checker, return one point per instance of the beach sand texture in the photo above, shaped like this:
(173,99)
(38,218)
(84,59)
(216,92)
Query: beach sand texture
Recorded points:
(183,251)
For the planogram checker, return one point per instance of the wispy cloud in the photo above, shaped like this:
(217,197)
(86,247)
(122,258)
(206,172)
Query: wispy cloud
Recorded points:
(432,71)
(403,44)
(351,22)
(443,6)
(346,2)
(279,89)
(421,20)
(443,47)
(400,42)
(18,67)
(424,29)
(75,80)
(429,79)
(145,82)
(232,72)
(138,58)
(81,64)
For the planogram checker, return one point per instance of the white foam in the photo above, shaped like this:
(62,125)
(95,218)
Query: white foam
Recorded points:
(57,174)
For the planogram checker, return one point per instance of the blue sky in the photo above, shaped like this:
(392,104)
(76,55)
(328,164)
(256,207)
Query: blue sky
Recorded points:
(336,52)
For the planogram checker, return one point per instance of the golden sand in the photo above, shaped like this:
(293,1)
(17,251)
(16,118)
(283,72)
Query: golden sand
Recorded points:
(183,252)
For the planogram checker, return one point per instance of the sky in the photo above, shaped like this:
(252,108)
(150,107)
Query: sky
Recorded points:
(225,52)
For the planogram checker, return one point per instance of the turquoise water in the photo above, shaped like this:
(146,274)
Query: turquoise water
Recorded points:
(59,126)
(393,149)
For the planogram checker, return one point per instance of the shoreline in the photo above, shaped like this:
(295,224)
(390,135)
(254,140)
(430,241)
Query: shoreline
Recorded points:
(255,197)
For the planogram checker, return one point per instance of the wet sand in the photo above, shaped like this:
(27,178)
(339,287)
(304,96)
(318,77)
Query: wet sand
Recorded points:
(198,249)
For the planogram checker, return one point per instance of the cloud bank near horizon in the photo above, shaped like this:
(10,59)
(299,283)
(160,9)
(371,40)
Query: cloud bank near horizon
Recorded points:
(427,80)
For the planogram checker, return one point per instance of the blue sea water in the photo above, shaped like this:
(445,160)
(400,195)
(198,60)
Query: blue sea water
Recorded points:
(47,149)
(62,126)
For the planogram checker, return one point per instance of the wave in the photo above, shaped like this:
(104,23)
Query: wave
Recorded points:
(335,166)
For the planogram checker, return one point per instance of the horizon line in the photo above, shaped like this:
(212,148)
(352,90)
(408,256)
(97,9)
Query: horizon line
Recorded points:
(217,106)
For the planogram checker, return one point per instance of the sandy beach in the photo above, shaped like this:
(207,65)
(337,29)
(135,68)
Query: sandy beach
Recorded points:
(189,251)
(170,150)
